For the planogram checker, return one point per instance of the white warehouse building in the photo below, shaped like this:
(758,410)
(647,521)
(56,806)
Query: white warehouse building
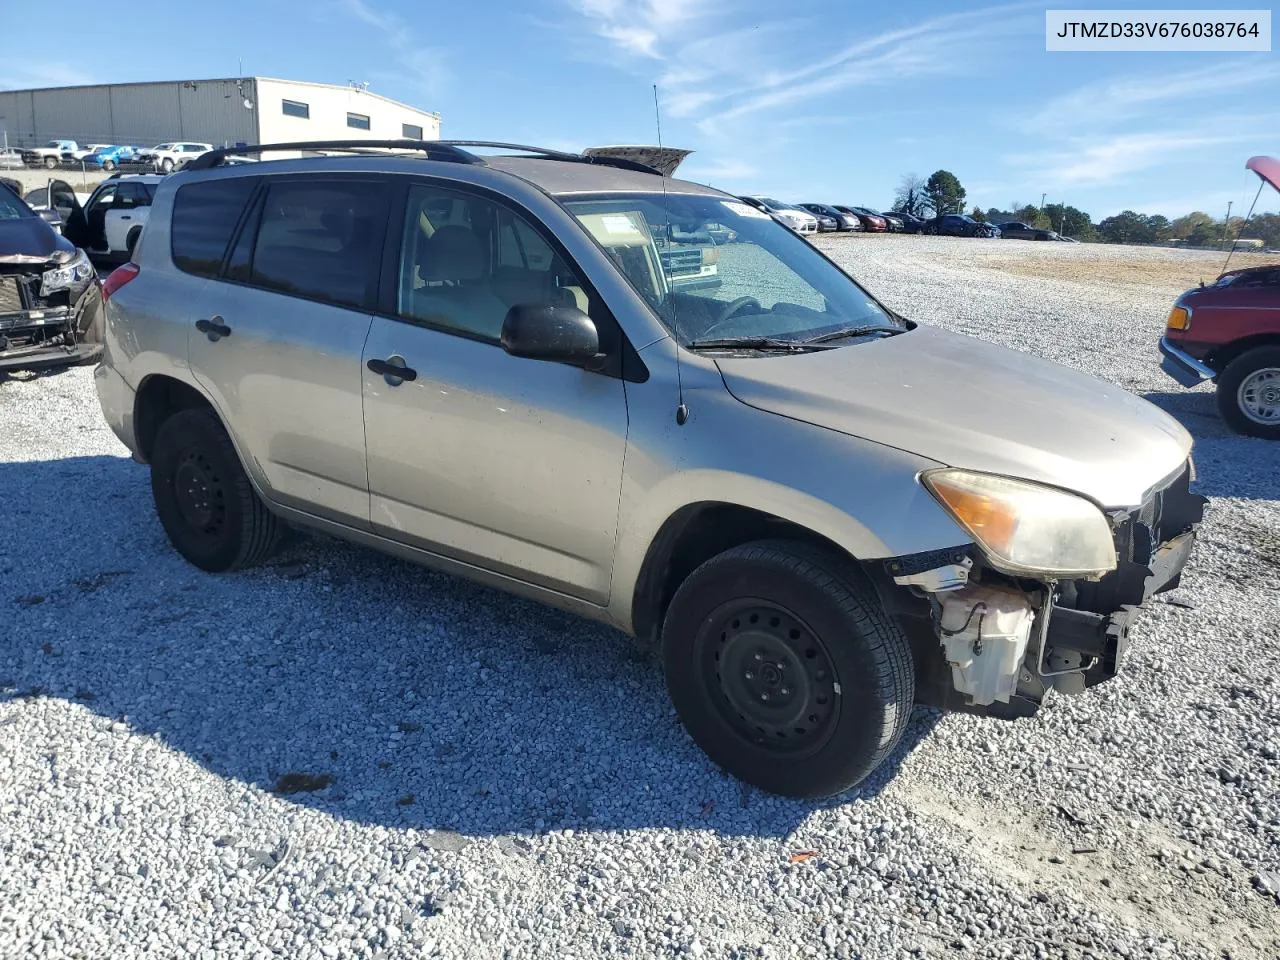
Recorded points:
(227,112)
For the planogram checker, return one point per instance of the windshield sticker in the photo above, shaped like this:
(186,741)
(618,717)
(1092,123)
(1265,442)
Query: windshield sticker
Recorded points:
(619,224)
(744,209)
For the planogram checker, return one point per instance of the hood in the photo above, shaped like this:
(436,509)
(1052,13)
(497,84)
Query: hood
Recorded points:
(31,240)
(966,403)
(662,159)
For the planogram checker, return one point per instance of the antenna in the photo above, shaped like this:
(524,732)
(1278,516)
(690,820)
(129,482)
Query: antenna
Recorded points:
(682,409)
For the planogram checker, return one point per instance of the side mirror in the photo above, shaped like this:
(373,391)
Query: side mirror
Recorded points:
(547,332)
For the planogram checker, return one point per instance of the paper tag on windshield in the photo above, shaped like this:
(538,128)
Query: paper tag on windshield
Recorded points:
(615,223)
(744,209)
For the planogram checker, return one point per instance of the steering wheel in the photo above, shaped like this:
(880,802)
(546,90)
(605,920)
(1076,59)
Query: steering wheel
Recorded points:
(730,310)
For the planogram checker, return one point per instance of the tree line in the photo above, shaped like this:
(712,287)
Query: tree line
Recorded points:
(942,193)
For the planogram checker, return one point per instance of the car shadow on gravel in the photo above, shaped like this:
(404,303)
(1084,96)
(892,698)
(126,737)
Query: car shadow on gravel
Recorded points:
(353,683)
(1227,464)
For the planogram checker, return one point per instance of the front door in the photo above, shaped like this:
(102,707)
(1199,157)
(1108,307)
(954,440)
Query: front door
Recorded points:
(280,329)
(511,464)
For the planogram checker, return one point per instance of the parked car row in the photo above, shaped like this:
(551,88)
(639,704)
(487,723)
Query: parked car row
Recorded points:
(163,157)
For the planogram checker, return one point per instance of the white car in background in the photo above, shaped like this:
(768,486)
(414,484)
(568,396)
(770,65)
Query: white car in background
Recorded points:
(108,222)
(801,221)
(167,157)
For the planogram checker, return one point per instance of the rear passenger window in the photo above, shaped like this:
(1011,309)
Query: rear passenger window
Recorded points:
(321,240)
(204,217)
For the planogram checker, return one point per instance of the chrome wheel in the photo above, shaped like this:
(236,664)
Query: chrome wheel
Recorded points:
(1259,396)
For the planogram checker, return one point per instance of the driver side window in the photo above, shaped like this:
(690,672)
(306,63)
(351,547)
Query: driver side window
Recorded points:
(465,261)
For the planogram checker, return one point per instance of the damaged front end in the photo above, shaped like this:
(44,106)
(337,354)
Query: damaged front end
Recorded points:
(992,643)
(50,310)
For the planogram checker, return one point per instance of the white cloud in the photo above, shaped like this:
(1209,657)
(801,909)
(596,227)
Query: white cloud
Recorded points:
(30,73)
(424,66)
(1095,161)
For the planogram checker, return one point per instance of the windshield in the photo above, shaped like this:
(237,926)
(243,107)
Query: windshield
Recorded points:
(11,208)
(715,268)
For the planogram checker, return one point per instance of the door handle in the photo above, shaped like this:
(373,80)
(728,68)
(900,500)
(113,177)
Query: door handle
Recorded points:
(125,218)
(214,328)
(394,373)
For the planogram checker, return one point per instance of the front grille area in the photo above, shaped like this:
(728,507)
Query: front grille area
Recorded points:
(10,296)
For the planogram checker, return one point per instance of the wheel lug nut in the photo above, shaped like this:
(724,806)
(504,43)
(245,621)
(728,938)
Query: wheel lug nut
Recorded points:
(759,656)
(784,691)
(749,675)
(764,696)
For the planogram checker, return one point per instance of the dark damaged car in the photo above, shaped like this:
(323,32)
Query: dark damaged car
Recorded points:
(50,299)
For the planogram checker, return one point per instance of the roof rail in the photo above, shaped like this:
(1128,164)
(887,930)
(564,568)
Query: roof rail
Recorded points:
(450,151)
(433,149)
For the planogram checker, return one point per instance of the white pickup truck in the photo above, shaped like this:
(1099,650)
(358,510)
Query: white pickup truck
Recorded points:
(50,155)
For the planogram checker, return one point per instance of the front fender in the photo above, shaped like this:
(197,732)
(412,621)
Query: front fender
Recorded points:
(863,496)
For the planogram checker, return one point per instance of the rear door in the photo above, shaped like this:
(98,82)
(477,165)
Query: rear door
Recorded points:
(280,331)
(128,210)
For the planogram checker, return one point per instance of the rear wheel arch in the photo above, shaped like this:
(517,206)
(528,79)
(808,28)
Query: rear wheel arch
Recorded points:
(158,398)
(694,534)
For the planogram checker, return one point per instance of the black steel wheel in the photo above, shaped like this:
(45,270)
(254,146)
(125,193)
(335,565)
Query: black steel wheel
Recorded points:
(769,675)
(785,668)
(204,501)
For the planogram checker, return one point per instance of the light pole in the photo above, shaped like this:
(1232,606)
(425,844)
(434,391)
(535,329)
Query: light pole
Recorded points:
(1226,224)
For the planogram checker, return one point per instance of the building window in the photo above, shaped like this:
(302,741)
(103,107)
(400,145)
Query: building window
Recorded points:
(358,120)
(409,131)
(294,108)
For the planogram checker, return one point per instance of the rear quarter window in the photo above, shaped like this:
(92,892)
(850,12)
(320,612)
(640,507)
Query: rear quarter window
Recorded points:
(204,218)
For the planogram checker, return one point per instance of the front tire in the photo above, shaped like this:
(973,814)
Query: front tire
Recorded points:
(1249,393)
(203,498)
(785,669)
(50,162)
(166,165)
(108,165)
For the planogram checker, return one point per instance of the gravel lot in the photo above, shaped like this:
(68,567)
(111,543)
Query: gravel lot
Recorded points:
(497,779)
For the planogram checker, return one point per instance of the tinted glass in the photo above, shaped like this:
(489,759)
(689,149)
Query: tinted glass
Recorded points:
(465,261)
(11,208)
(358,120)
(321,240)
(410,131)
(295,108)
(204,218)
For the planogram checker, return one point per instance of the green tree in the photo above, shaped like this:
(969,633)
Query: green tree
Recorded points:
(945,195)
(1125,227)
(1264,227)
(1069,221)
(911,197)
(1196,222)
(978,215)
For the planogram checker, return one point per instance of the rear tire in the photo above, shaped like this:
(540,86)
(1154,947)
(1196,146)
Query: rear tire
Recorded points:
(1249,393)
(785,669)
(203,498)
(50,162)
(166,165)
(108,165)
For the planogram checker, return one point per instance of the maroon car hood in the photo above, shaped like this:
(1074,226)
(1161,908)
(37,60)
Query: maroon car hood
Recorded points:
(1268,168)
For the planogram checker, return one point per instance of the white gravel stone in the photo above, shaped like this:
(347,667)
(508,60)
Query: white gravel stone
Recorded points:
(571,813)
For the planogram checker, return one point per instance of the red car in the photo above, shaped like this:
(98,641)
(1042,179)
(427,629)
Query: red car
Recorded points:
(1229,332)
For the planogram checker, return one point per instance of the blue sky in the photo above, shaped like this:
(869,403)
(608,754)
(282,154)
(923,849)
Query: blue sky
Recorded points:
(804,100)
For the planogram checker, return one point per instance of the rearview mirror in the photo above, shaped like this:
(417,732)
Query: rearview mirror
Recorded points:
(547,332)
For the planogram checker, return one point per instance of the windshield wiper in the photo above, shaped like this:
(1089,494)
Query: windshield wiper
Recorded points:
(753,343)
(848,332)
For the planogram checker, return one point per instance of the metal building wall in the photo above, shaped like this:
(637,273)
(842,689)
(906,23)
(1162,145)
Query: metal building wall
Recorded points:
(141,114)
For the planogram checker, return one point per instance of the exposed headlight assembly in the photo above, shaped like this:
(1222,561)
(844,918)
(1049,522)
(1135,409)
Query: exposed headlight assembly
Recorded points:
(76,270)
(1024,527)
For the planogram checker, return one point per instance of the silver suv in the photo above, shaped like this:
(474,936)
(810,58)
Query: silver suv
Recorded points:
(818,511)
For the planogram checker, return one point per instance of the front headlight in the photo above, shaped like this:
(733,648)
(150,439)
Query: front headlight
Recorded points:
(76,270)
(1026,528)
